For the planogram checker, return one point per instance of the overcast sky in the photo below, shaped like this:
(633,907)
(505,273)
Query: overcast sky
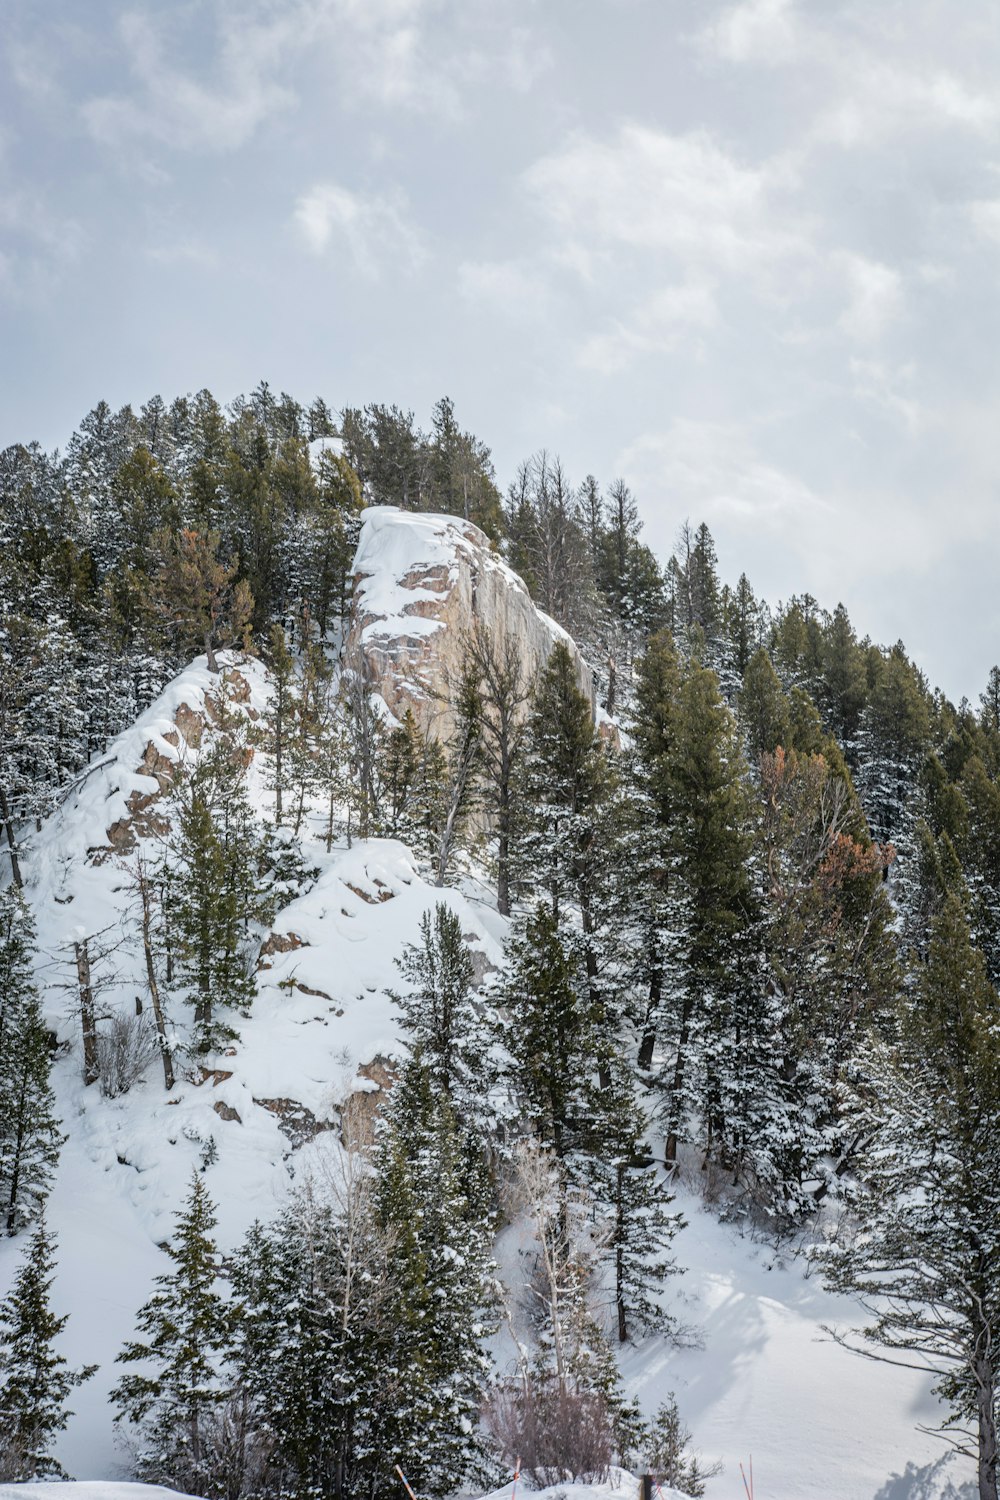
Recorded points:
(746,256)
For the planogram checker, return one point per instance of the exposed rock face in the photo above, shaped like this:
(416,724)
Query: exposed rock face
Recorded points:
(421,583)
(158,767)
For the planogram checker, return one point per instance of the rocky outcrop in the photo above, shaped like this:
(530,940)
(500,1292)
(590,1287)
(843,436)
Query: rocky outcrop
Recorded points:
(422,582)
(161,758)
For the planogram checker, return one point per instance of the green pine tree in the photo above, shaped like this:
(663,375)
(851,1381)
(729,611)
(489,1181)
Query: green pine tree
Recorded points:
(186,1331)
(926,1264)
(443,1281)
(35,1380)
(29,1130)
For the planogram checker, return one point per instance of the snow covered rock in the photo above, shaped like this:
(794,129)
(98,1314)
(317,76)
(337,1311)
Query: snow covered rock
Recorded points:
(422,582)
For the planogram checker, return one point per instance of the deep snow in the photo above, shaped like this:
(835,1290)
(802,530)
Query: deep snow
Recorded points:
(765,1379)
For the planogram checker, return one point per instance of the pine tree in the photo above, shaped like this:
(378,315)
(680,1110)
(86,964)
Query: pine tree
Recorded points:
(634,1205)
(548,1032)
(504,694)
(667,1455)
(704,776)
(763,708)
(29,1131)
(216,883)
(196,595)
(440,1013)
(565,778)
(444,1284)
(281,665)
(926,1264)
(34,1379)
(187,1329)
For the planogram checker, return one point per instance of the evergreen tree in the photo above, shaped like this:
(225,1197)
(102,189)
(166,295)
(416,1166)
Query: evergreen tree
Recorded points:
(443,1280)
(926,1263)
(548,1032)
(440,1014)
(763,708)
(34,1379)
(667,1455)
(711,845)
(186,1329)
(216,883)
(198,597)
(29,1130)
(634,1204)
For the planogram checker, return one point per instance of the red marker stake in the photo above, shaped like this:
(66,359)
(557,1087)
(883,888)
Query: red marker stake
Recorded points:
(406,1482)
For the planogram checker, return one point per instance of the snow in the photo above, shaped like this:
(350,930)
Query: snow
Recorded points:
(322,1011)
(397,544)
(98,1489)
(319,446)
(620,1485)
(764,1378)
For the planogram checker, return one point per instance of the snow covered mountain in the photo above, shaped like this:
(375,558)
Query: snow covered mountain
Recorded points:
(760,1376)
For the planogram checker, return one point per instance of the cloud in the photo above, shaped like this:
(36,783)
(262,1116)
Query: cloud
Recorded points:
(671,318)
(173,108)
(650,190)
(884,387)
(373,230)
(875,293)
(39,243)
(879,100)
(237,65)
(711,470)
(762,31)
(985,216)
(512,287)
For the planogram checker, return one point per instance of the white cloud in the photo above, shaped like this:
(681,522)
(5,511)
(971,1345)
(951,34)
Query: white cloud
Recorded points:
(887,388)
(650,190)
(511,287)
(374,230)
(674,317)
(763,31)
(985,216)
(875,293)
(711,470)
(879,100)
(39,243)
(387,52)
(175,109)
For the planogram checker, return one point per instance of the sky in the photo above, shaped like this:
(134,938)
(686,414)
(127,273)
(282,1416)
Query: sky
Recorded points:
(745,256)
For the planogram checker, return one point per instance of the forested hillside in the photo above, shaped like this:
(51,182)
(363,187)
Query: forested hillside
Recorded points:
(730,924)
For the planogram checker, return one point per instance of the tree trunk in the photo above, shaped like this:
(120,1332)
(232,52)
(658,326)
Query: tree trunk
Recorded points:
(680,1068)
(648,1044)
(8,827)
(620,1254)
(213,665)
(457,802)
(503,848)
(151,980)
(91,1072)
(985,1377)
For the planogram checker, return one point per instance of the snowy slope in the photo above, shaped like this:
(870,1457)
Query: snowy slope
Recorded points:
(765,1379)
(768,1381)
(322,1011)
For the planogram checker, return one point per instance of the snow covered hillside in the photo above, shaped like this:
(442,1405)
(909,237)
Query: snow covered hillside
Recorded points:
(322,1013)
(757,1374)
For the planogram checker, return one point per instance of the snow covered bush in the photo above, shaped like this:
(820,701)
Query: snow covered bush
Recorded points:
(126,1045)
(559,1433)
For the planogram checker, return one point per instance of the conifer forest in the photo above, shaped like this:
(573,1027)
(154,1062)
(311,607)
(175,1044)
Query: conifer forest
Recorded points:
(424,912)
